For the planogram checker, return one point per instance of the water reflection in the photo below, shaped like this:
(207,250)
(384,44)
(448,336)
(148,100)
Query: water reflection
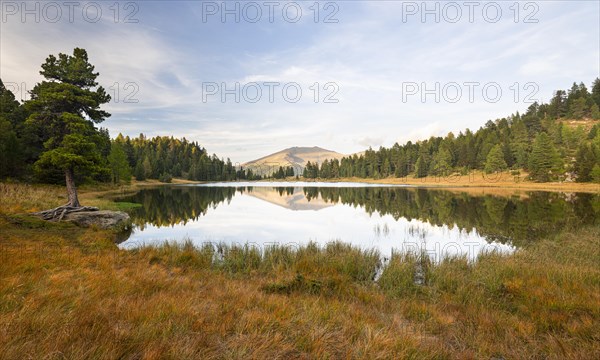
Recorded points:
(406,219)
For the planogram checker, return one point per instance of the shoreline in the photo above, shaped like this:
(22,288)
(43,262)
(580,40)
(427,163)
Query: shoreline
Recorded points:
(426,182)
(474,181)
(473,184)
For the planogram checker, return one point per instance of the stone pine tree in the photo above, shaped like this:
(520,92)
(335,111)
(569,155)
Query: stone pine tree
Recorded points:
(65,108)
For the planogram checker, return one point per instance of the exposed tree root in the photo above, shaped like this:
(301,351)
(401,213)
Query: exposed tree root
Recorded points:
(57,214)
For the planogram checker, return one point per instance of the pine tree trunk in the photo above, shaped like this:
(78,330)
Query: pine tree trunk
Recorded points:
(71,189)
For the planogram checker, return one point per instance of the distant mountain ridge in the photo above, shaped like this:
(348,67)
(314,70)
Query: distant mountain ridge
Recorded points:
(296,157)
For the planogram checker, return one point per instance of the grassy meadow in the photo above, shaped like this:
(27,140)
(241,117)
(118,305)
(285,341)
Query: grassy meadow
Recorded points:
(69,292)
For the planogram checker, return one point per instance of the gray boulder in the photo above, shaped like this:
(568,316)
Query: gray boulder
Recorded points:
(103,219)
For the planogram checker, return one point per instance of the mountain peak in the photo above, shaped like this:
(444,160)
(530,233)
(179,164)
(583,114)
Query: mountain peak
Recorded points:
(296,157)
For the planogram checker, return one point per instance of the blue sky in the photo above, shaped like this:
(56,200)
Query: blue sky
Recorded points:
(378,57)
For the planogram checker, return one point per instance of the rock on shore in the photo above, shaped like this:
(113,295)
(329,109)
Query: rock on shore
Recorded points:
(103,219)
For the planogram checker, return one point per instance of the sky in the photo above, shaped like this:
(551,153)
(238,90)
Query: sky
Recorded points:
(249,78)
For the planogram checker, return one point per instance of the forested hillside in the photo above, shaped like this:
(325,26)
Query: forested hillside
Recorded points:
(551,142)
(24,137)
(166,157)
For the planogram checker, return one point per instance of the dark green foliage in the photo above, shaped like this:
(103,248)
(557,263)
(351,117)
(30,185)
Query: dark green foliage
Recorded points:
(595,174)
(421,167)
(514,220)
(595,112)
(584,163)
(544,162)
(558,104)
(495,160)
(56,131)
(311,171)
(595,95)
(329,169)
(519,144)
(60,134)
(140,175)
(282,172)
(506,142)
(12,132)
(119,166)
(64,109)
(160,156)
(442,163)
(165,178)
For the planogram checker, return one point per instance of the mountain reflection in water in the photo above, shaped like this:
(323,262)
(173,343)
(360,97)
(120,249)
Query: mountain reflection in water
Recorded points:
(384,217)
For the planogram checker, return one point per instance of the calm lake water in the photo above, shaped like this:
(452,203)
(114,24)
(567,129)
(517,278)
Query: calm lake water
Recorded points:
(370,216)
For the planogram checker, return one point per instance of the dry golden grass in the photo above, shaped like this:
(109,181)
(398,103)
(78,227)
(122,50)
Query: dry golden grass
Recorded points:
(67,292)
(24,198)
(19,198)
(542,302)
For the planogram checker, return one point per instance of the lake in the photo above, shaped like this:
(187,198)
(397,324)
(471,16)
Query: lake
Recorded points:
(388,218)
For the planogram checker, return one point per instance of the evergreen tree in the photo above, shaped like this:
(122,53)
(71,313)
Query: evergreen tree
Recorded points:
(280,174)
(148,169)
(593,132)
(10,148)
(558,104)
(532,120)
(119,166)
(584,163)
(572,138)
(165,178)
(595,95)
(441,164)
(579,108)
(65,108)
(595,112)
(401,166)
(10,145)
(140,174)
(421,167)
(544,162)
(595,174)
(495,160)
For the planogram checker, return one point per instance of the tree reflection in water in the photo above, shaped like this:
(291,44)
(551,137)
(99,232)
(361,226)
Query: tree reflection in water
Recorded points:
(507,220)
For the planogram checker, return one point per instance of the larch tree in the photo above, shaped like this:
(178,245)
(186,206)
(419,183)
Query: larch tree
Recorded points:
(119,167)
(65,108)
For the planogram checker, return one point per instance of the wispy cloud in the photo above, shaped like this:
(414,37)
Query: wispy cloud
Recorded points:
(370,54)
